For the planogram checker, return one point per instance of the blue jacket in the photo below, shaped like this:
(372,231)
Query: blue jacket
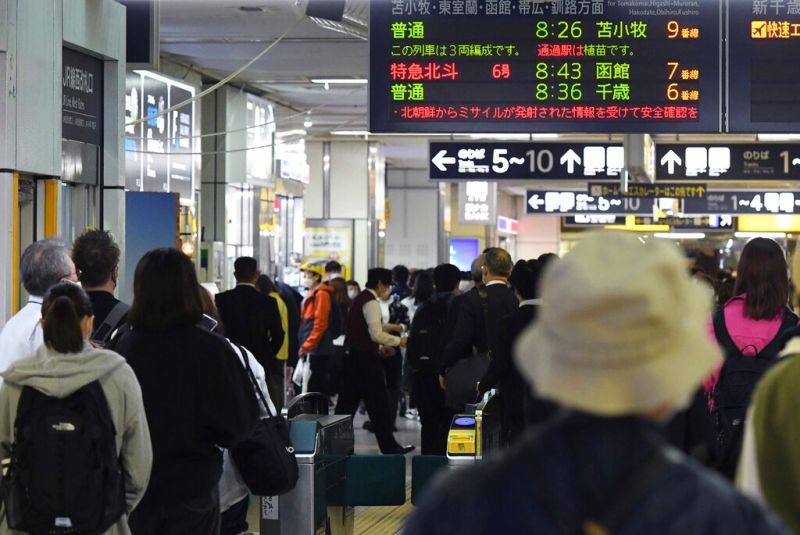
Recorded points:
(552,481)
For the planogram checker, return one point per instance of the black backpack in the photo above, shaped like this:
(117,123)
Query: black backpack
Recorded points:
(425,342)
(737,381)
(64,475)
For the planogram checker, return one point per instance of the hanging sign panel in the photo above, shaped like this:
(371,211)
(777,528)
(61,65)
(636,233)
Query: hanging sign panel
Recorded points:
(744,202)
(746,161)
(526,161)
(579,202)
(539,66)
(763,52)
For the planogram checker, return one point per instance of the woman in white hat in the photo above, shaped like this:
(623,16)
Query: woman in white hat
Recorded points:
(621,343)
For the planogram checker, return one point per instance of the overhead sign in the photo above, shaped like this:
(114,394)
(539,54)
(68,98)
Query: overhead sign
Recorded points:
(525,161)
(260,119)
(82,97)
(578,202)
(661,190)
(477,203)
(592,220)
(744,202)
(538,66)
(764,44)
(742,161)
(711,222)
(507,225)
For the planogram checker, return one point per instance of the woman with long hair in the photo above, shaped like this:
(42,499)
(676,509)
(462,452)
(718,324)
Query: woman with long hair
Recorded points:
(67,365)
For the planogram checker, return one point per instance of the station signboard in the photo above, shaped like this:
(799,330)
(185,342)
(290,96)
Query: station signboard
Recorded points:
(539,66)
(659,190)
(741,161)
(708,222)
(763,78)
(744,202)
(482,160)
(592,220)
(559,202)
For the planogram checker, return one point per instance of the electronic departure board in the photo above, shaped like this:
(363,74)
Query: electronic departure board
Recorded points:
(533,66)
(763,73)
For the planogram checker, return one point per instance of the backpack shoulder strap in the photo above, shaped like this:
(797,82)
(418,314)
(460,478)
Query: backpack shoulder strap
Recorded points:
(788,322)
(112,320)
(95,392)
(721,332)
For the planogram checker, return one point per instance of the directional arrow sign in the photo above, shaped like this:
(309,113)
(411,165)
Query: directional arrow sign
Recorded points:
(670,159)
(441,160)
(570,158)
(535,202)
(490,160)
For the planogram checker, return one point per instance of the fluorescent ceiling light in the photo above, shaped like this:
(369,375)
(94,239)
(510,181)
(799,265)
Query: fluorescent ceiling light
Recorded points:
(680,235)
(521,137)
(760,235)
(290,133)
(349,132)
(778,137)
(354,81)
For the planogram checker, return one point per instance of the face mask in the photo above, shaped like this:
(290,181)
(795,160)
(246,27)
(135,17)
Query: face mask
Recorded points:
(352,294)
(307,282)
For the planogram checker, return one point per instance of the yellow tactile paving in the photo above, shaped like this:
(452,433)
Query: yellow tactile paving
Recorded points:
(382,520)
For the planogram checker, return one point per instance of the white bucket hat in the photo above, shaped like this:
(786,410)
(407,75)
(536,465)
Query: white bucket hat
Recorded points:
(622,328)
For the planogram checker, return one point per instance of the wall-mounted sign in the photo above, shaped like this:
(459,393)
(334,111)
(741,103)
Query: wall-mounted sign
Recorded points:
(477,203)
(709,222)
(260,120)
(744,161)
(507,225)
(579,202)
(592,220)
(662,190)
(291,162)
(489,160)
(764,51)
(744,202)
(330,239)
(533,66)
(159,152)
(81,97)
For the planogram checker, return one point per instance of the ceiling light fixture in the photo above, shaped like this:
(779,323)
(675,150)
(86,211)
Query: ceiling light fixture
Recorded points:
(747,235)
(307,123)
(349,132)
(680,235)
(291,133)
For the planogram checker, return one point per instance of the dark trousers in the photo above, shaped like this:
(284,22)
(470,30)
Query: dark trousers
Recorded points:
(199,516)
(319,381)
(364,380)
(234,519)
(434,416)
(393,369)
(275,381)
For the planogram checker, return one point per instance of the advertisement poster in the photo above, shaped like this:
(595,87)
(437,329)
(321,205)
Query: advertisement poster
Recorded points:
(180,143)
(327,239)
(155,135)
(260,129)
(133,132)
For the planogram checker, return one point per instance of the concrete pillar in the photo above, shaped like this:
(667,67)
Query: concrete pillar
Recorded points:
(414,228)
(538,234)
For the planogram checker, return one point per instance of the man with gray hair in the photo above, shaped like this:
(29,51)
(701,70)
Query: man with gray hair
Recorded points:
(44,263)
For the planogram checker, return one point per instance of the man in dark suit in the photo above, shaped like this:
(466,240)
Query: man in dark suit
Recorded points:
(515,397)
(252,319)
(471,330)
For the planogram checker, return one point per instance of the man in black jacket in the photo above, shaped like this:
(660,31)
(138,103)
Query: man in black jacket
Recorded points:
(471,331)
(252,319)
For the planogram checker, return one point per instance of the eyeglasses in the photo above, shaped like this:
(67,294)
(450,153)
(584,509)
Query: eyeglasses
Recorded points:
(69,278)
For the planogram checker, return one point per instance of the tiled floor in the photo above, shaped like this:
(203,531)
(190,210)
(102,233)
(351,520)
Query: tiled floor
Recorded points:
(374,520)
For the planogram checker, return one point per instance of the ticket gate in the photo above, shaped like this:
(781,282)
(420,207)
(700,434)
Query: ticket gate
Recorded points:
(475,433)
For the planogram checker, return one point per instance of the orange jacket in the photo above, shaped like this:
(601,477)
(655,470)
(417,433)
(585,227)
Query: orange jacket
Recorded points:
(316,310)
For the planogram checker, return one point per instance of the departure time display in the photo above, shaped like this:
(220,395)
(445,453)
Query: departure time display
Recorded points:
(562,66)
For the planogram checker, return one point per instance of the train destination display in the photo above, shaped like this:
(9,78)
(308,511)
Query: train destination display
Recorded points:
(763,78)
(561,66)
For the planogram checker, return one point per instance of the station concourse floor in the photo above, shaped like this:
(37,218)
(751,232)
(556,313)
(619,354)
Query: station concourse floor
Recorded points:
(374,520)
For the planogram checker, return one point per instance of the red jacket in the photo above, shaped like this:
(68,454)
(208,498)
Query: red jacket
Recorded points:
(314,318)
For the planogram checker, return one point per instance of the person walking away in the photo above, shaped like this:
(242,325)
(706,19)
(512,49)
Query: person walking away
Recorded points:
(333,270)
(96,258)
(193,394)
(253,320)
(472,333)
(620,343)
(502,373)
(426,342)
(751,329)
(365,344)
(341,301)
(293,300)
(400,276)
(44,263)
(265,285)
(422,289)
(68,381)
(316,328)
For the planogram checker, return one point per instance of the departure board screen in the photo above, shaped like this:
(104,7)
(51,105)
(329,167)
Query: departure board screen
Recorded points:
(532,66)
(763,58)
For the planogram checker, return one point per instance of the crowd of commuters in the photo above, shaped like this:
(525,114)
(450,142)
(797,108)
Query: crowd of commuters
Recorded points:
(627,404)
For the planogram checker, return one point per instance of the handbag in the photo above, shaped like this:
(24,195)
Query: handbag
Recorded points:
(462,378)
(266,459)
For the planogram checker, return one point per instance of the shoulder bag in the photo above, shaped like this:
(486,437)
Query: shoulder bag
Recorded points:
(266,459)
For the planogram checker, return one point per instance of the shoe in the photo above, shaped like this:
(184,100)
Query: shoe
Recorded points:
(400,450)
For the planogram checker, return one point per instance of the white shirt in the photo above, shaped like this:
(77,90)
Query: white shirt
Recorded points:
(374,317)
(495,282)
(22,334)
(530,302)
